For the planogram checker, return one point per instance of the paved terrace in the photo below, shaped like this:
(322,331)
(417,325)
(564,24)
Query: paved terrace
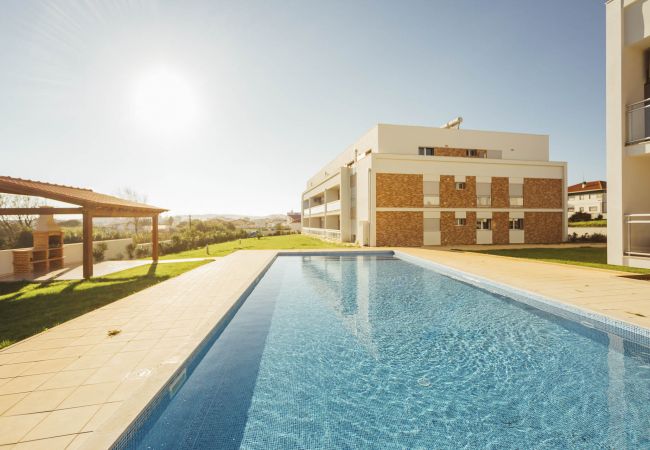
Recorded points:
(73,386)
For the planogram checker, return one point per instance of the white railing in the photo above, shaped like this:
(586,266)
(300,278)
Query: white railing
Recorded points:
(638,235)
(334,206)
(516,201)
(638,121)
(317,209)
(431,200)
(483,200)
(325,233)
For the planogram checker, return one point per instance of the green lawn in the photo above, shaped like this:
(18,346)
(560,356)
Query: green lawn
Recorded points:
(288,242)
(579,256)
(27,308)
(589,223)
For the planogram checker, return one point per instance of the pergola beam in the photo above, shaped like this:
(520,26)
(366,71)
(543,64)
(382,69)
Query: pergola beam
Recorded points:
(39,210)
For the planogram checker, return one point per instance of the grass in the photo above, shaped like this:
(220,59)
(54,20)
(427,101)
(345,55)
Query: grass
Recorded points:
(287,242)
(590,223)
(27,308)
(577,256)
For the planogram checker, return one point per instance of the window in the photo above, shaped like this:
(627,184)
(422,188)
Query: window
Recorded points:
(460,186)
(571,209)
(483,194)
(426,151)
(593,209)
(516,224)
(431,224)
(461,222)
(582,209)
(516,194)
(484,224)
(472,153)
(431,193)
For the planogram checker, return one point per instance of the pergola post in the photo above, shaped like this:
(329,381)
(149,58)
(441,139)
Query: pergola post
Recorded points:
(154,238)
(87,244)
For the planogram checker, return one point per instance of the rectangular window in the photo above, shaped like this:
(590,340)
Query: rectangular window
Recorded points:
(593,209)
(431,193)
(460,186)
(431,224)
(484,224)
(426,151)
(483,194)
(516,194)
(571,209)
(461,222)
(472,153)
(516,224)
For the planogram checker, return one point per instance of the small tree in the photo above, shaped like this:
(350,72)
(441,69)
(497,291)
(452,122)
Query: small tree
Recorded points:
(130,194)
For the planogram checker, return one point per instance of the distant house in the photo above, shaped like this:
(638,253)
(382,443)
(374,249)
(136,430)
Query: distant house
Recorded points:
(588,197)
(294,221)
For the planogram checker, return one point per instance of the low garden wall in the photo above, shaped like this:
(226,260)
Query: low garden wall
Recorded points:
(73,253)
(588,230)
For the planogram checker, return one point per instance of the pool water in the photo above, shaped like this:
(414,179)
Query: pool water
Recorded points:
(375,352)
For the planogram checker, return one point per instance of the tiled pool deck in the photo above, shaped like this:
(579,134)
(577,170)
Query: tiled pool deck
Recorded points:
(75,387)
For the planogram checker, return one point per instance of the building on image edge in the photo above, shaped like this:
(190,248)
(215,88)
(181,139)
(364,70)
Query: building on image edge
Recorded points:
(410,186)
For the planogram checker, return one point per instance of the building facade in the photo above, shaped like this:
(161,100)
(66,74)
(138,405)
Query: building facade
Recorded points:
(588,197)
(413,186)
(628,131)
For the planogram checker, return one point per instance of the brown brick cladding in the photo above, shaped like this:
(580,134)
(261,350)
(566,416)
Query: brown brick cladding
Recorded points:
(400,229)
(397,190)
(500,192)
(450,234)
(451,198)
(542,193)
(458,152)
(542,227)
(500,228)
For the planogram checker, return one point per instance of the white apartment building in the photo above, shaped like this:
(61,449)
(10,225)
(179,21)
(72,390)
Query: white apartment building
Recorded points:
(404,185)
(628,131)
(588,197)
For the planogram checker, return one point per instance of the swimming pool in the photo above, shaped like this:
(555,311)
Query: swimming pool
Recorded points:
(347,351)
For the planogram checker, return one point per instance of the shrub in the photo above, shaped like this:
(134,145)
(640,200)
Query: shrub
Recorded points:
(595,237)
(142,251)
(98,251)
(130,250)
(580,217)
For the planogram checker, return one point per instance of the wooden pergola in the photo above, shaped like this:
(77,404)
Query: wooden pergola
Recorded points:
(90,204)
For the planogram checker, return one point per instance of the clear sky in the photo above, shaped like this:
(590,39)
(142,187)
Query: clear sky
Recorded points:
(228,107)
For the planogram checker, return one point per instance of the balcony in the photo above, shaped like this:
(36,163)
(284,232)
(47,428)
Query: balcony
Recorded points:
(334,206)
(483,201)
(318,209)
(638,122)
(638,235)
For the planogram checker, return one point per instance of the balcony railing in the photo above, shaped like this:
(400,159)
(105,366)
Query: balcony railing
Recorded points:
(318,209)
(325,233)
(638,235)
(334,206)
(638,122)
(483,200)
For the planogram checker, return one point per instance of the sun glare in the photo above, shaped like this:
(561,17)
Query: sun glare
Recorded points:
(164,102)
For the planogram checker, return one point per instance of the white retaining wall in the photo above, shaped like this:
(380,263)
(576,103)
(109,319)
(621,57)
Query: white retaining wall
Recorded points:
(73,253)
(588,230)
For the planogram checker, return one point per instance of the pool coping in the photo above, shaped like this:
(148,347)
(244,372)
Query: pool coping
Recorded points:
(115,435)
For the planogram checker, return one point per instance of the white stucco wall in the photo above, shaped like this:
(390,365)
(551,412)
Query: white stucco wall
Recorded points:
(405,140)
(73,254)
